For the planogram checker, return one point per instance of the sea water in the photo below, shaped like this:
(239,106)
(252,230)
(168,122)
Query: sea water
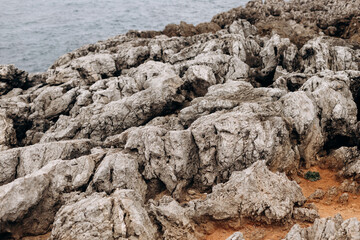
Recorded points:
(34,33)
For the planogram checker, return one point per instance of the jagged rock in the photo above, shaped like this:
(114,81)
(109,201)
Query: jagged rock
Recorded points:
(174,219)
(260,88)
(160,96)
(305,214)
(20,162)
(11,77)
(28,204)
(350,186)
(231,141)
(318,194)
(169,156)
(341,157)
(7,132)
(327,228)
(254,193)
(302,114)
(320,54)
(99,216)
(119,171)
(331,92)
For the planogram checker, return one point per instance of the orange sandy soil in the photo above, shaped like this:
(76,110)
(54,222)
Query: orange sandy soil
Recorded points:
(40,237)
(326,206)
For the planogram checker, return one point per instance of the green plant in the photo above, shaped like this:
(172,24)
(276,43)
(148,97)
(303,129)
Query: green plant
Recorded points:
(312,176)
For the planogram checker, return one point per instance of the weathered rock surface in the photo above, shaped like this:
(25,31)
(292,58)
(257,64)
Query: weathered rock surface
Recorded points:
(234,108)
(327,228)
(255,193)
(99,216)
(29,203)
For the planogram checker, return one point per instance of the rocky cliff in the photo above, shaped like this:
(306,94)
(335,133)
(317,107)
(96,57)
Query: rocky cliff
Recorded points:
(178,133)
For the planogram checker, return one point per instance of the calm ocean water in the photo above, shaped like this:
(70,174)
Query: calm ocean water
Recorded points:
(34,33)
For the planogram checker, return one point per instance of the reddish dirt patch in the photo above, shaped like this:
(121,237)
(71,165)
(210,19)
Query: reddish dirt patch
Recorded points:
(328,207)
(253,231)
(40,237)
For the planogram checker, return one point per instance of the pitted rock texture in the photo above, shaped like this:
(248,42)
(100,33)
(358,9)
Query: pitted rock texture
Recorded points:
(234,109)
(327,228)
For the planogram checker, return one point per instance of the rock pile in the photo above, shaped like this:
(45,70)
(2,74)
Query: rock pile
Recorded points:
(107,142)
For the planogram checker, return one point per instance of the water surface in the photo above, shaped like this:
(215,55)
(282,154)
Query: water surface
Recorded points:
(34,33)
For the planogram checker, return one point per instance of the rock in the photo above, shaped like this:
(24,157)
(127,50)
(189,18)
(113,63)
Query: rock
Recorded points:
(255,193)
(341,107)
(344,198)
(332,192)
(160,96)
(301,112)
(174,219)
(32,201)
(350,186)
(342,158)
(169,156)
(305,214)
(320,55)
(9,160)
(98,216)
(20,162)
(119,171)
(317,195)
(162,117)
(327,228)
(236,236)
(11,77)
(7,132)
(226,141)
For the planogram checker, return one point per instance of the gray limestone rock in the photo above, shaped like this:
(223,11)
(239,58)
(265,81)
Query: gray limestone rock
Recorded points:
(28,204)
(99,216)
(119,171)
(19,162)
(327,228)
(255,193)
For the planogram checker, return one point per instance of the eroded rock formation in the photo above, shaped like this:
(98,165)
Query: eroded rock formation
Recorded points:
(152,135)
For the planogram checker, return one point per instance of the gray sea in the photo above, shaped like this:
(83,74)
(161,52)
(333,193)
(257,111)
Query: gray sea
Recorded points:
(34,33)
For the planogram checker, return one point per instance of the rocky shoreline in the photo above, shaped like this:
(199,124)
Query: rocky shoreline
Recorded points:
(179,133)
